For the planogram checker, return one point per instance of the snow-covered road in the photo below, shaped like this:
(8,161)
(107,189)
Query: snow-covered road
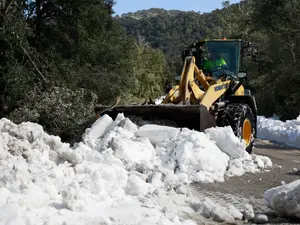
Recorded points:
(250,188)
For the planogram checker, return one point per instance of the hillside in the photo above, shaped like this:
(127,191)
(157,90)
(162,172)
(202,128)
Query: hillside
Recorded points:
(142,14)
(172,30)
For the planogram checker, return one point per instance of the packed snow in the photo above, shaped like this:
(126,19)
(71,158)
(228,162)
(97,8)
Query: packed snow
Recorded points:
(159,100)
(287,132)
(285,199)
(120,173)
(261,219)
(208,209)
(249,212)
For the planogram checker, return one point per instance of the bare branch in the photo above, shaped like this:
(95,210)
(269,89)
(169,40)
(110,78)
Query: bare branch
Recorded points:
(32,62)
(6,8)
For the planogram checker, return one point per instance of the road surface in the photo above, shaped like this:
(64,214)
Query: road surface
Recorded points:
(250,188)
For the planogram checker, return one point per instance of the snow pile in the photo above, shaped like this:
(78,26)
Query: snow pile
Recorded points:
(227,142)
(285,132)
(248,164)
(43,180)
(182,155)
(119,173)
(285,199)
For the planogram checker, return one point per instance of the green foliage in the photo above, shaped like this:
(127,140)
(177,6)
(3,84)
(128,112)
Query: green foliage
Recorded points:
(60,58)
(16,73)
(282,51)
(150,71)
(58,109)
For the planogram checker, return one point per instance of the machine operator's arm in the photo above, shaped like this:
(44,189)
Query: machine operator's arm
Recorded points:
(210,65)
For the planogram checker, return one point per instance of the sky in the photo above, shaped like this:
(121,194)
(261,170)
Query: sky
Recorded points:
(125,6)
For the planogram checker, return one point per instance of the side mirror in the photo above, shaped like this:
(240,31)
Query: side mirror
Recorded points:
(185,53)
(242,75)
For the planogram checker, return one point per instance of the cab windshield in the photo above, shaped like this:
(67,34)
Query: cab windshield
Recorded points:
(219,57)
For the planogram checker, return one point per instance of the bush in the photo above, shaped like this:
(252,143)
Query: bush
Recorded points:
(59,110)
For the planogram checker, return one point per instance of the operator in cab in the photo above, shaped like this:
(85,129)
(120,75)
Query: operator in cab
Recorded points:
(215,62)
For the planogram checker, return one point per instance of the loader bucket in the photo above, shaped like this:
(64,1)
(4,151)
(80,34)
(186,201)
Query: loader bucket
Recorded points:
(195,117)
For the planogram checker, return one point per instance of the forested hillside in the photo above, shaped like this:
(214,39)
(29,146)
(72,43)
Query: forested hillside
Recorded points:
(171,31)
(271,25)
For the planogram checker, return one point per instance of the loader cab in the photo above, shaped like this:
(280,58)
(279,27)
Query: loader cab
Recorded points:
(228,51)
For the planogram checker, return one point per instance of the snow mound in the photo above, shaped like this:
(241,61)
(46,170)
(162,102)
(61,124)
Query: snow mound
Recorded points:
(43,179)
(248,164)
(285,199)
(227,141)
(120,172)
(275,130)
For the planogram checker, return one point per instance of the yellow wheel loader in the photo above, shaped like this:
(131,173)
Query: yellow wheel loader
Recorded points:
(211,92)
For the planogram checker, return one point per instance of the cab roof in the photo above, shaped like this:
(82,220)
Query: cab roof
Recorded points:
(221,40)
(215,40)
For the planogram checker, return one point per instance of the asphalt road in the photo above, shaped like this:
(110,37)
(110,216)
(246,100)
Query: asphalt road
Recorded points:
(250,188)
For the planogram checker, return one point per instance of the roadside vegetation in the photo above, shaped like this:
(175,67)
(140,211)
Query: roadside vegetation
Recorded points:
(58,59)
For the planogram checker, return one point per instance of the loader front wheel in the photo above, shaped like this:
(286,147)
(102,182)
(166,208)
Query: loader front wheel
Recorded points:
(241,119)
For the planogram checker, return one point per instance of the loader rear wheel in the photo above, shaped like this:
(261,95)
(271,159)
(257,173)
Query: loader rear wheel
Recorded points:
(241,119)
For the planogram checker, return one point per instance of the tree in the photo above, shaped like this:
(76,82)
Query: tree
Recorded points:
(279,22)
(225,4)
(60,58)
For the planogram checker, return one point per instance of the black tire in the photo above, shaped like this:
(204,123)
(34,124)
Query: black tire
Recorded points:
(239,116)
